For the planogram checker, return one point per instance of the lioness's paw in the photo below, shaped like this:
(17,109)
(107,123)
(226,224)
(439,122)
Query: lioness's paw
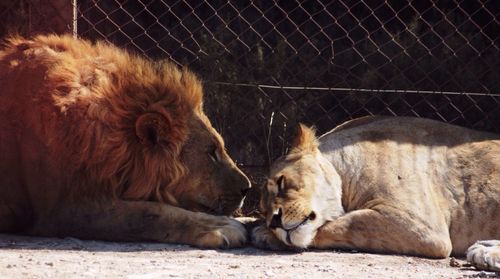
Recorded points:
(225,233)
(262,237)
(485,254)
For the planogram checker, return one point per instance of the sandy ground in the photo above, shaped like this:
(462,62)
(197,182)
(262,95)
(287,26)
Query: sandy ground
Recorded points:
(27,257)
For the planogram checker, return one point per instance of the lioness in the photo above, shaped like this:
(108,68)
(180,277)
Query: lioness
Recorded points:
(98,143)
(389,185)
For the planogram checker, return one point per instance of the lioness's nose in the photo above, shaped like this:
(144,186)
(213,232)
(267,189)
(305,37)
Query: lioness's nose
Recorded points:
(276,220)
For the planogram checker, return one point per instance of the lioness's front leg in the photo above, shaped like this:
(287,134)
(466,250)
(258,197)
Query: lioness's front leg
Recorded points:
(143,221)
(383,231)
(262,237)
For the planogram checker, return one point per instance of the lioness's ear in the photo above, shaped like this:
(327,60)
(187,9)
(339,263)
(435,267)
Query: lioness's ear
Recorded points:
(305,140)
(152,128)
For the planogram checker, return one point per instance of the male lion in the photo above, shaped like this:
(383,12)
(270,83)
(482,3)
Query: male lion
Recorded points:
(98,143)
(389,185)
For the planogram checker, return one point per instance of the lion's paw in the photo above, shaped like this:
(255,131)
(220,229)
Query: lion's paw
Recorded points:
(485,254)
(225,233)
(262,237)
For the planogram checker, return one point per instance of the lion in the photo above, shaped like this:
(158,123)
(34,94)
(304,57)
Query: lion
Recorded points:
(99,143)
(396,185)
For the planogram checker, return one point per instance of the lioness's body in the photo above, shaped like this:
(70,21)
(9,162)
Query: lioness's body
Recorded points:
(386,184)
(99,143)
(440,176)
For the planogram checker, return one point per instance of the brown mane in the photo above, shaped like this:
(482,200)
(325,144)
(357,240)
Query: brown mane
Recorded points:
(112,88)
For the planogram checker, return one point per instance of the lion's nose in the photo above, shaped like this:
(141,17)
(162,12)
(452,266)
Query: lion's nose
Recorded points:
(276,220)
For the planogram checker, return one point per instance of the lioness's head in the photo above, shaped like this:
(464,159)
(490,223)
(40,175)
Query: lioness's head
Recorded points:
(302,193)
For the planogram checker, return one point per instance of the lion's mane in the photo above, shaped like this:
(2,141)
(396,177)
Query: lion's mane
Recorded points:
(105,91)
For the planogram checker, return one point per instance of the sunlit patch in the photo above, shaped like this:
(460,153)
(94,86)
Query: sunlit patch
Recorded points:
(14,63)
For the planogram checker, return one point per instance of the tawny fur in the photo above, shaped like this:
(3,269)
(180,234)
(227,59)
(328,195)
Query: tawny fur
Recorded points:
(390,185)
(87,123)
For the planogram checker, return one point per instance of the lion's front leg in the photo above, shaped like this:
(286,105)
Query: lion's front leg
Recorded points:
(143,221)
(383,231)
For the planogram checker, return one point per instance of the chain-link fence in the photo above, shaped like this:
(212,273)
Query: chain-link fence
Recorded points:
(321,62)
(269,64)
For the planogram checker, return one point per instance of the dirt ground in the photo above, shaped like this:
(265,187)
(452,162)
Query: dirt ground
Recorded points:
(28,257)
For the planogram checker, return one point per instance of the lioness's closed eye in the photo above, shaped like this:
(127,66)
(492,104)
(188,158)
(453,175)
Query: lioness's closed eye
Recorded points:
(389,185)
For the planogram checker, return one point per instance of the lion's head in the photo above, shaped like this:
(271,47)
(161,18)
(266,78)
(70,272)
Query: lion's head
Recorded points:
(206,178)
(125,126)
(177,151)
(302,193)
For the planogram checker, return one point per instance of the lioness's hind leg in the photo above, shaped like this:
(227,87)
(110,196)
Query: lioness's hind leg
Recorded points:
(485,254)
(384,231)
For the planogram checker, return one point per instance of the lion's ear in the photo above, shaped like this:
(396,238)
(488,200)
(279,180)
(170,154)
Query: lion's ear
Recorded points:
(305,140)
(152,128)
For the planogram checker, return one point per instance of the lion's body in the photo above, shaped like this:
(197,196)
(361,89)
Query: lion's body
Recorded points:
(400,185)
(99,143)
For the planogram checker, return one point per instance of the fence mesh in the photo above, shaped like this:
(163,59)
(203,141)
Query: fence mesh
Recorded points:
(269,64)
